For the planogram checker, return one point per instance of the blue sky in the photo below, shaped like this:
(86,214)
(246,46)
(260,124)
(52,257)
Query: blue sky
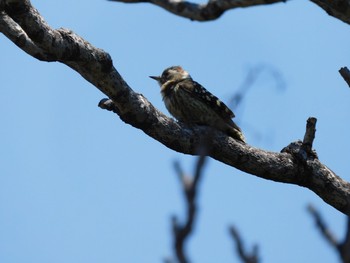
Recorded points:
(79,185)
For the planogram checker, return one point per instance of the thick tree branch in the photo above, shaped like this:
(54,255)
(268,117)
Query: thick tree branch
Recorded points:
(344,247)
(337,8)
(294,165)
(212,10)
(16,34)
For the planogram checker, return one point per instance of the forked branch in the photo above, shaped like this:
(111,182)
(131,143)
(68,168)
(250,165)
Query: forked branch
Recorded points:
(213,9)
(345,73)
(182,231)
(296,164)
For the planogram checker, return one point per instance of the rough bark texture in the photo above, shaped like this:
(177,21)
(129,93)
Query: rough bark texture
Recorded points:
(296,164)
(339,9)
(213,9)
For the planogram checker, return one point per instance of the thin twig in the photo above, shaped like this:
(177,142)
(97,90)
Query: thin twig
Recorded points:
(310,133)
(241,251)
(342,247)
(321,225)
(189,186)
(345,73)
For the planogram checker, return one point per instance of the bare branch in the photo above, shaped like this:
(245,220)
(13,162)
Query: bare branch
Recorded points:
(310,133)
(337,8)
(343,248)
(293,165)
(16,34)
(345,73)
(212,10)
(189,186)
(241,251)
(325,231)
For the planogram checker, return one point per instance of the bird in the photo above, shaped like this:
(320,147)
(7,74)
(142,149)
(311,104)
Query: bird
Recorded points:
(189,102)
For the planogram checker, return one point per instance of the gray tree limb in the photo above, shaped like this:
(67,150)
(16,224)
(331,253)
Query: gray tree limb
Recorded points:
(339,9)
(213,9)
(296,164)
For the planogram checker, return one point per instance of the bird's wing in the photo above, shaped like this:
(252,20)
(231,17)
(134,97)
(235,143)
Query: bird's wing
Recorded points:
(197,91)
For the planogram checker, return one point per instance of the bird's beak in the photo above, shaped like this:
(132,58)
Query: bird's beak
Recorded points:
(155,77)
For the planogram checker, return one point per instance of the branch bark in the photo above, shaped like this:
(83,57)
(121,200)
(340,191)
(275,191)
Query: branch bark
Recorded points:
(339,9)
(296,164)
(213,9)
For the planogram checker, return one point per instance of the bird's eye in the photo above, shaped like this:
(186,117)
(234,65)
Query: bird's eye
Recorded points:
(165,75)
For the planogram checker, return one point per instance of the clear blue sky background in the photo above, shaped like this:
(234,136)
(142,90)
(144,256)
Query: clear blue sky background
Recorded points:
(79,185)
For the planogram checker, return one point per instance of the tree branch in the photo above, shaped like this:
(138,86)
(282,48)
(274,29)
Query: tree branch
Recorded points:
(293,165)
(337,8)
(241,251)
(16,34)
(189,186)
(309,134)
(212,10)
(321,225)
(345,73)
(342,247)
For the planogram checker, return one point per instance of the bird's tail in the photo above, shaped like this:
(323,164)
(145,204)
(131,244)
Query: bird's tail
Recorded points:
(235,132)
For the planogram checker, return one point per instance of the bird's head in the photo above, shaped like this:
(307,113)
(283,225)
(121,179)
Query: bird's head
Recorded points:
(174,74)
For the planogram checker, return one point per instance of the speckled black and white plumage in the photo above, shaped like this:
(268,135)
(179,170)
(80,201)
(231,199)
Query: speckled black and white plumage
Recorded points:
(191,103)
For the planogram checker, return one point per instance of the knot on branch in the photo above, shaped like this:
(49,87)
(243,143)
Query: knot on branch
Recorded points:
(108,104)
(212,11)
(300,151)
(305,158)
